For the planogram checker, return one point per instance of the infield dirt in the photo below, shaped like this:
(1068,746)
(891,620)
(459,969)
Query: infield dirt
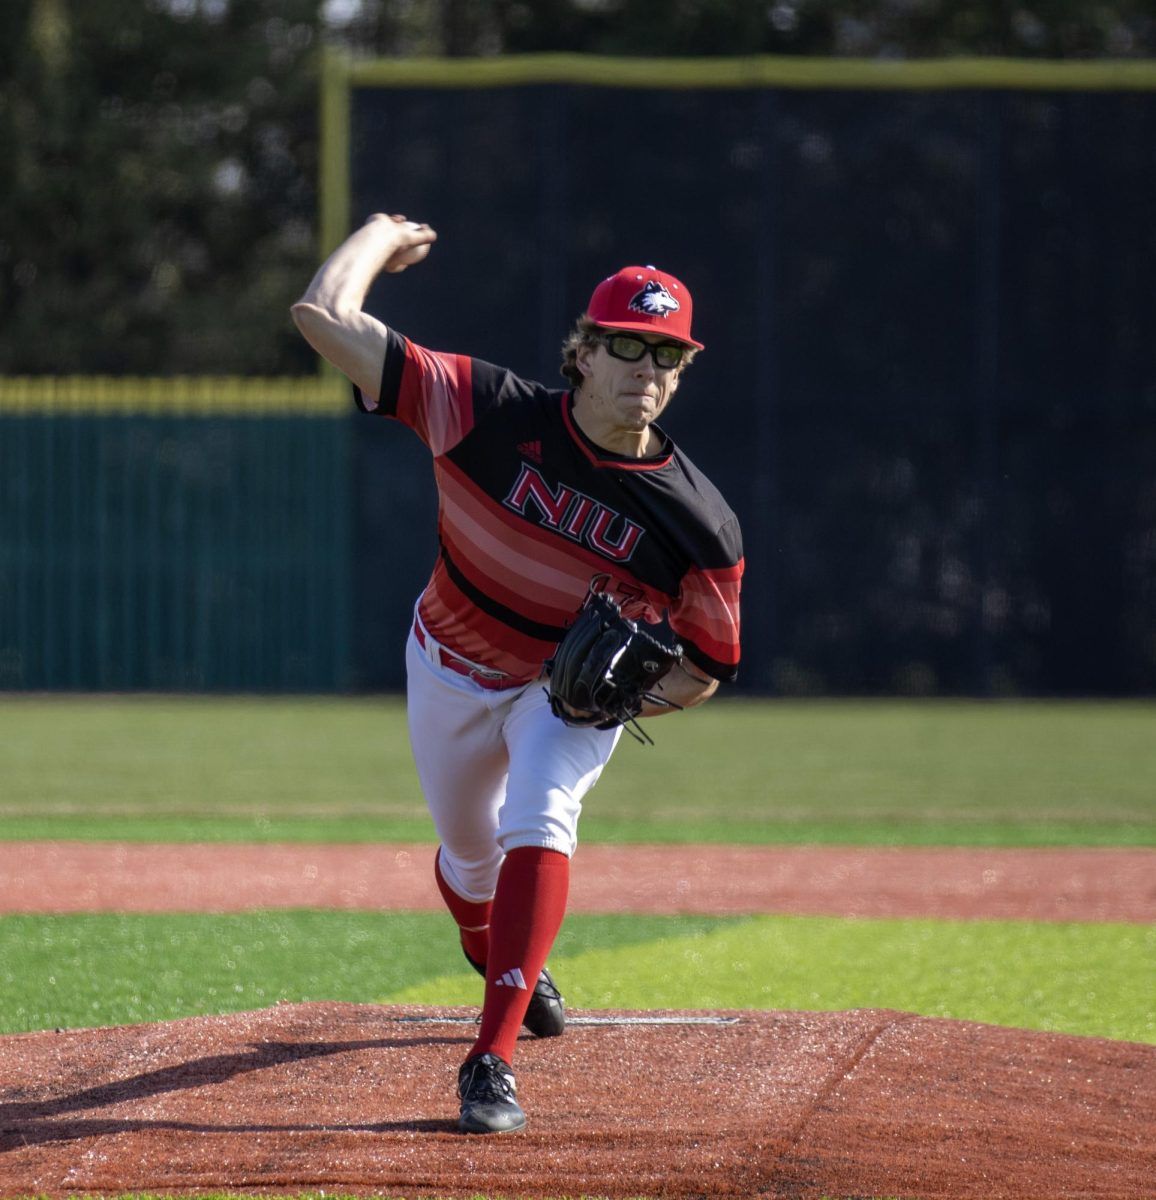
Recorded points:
(945,882)
(352,1099)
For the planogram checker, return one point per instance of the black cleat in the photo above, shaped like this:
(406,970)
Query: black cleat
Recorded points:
(487,1091)
(546,1015)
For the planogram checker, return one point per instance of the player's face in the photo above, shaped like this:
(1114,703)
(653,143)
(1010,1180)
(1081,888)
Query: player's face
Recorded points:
(623,383)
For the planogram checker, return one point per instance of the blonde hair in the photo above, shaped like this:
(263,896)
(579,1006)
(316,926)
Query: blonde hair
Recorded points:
(587,333)
(584,333)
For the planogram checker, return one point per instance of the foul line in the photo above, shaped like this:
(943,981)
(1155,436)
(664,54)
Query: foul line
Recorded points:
(642,1020)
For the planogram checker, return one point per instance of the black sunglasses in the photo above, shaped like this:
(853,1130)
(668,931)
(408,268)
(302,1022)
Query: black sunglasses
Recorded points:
(631,349)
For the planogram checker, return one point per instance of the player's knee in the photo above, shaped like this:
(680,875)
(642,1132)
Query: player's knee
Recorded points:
(543,812)
(474,876)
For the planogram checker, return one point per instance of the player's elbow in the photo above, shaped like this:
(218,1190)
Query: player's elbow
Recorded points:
(308,317)
(318,326)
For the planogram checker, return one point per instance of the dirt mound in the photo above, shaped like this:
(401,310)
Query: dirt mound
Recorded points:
(358,1098)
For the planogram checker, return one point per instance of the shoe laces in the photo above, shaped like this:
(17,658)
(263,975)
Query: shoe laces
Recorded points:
(487,1080)
(547,988)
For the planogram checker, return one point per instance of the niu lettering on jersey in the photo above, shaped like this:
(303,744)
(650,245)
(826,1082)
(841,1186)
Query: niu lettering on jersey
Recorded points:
(573,514)
(533,516)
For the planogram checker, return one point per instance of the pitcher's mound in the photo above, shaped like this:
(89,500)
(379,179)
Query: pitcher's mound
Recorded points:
(357,1098)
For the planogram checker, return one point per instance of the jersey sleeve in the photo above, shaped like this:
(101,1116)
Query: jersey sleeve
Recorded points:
(440,396)
(706,615)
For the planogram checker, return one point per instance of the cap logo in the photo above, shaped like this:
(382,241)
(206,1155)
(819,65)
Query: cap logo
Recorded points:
(654,300)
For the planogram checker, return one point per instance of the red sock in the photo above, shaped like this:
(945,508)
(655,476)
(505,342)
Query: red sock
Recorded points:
(472,916)
(528,909)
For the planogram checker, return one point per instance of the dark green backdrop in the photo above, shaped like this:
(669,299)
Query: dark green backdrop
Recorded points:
(179,553)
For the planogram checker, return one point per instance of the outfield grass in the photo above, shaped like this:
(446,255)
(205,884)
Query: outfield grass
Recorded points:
(869,772)
(107,969)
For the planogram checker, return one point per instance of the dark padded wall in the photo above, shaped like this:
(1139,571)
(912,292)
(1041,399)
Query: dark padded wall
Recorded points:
(929,388)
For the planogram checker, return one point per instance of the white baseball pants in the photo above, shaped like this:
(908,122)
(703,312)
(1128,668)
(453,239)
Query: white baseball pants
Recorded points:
(497,768)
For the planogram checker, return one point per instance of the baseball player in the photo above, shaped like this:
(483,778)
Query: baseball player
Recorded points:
(547,498)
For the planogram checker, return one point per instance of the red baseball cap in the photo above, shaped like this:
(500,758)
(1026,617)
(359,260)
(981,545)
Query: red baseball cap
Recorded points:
(644,299)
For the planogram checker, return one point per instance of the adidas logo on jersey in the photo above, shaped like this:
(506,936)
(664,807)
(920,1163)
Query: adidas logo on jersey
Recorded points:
(531,450)
(514,979)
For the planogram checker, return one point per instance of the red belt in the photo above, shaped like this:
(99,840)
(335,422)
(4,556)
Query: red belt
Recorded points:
(495,681)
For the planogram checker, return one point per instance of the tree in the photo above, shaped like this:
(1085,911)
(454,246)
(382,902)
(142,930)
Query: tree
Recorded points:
(159,183)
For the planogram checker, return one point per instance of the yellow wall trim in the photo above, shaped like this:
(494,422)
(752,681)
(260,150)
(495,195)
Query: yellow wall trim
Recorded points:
(754,71)
(217,396)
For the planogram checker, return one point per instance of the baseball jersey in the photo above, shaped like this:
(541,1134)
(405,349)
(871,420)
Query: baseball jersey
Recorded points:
(533,515)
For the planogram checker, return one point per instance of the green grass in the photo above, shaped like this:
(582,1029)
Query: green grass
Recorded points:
(108,969)
(869,772)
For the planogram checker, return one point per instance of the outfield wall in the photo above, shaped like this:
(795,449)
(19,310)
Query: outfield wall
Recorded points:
(929,388)
(179,534)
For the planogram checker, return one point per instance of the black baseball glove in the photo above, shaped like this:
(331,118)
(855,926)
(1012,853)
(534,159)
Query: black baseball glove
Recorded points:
(606,666)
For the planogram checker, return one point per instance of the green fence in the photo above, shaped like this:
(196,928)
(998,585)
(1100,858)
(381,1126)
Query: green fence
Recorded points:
(174,534)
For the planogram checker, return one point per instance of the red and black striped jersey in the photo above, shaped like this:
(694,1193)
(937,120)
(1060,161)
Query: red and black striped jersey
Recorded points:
(532,516)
